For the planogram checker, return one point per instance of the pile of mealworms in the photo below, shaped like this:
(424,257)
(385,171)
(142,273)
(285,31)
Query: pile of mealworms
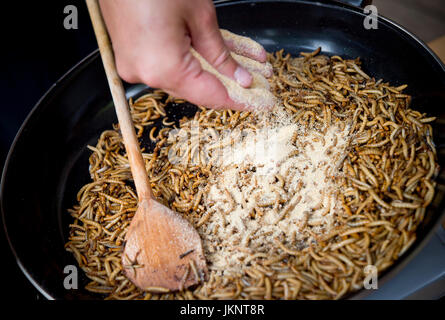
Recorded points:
(387,180)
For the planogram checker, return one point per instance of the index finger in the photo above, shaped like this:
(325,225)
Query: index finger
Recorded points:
(244,46)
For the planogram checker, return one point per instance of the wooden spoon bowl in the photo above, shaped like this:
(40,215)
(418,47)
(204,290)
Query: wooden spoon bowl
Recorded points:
(167,246)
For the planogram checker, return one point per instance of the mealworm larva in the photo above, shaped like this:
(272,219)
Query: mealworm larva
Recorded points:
(385,182)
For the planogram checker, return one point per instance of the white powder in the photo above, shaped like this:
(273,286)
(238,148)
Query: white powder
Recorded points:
(265,69)
(275,183)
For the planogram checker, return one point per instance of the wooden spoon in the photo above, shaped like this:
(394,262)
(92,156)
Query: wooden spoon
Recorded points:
(162,250)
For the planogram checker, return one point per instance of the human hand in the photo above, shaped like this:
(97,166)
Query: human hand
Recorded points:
(152,41)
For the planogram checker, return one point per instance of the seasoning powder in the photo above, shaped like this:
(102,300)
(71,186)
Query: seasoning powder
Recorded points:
(277,181)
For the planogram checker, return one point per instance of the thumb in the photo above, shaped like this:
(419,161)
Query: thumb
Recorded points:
(209,43)
(200,87)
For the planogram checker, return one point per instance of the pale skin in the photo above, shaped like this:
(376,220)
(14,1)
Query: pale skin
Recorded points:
(152,40)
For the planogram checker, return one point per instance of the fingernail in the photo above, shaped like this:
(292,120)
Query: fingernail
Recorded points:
(269,70)
(243,77)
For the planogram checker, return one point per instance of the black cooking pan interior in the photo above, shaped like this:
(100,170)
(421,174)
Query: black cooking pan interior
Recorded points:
(48,161)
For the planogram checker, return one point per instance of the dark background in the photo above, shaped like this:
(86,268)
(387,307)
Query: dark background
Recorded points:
(36,50)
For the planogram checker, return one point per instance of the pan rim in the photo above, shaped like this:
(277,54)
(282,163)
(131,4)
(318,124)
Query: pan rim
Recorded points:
(390,273)
(412,252)
(85,61)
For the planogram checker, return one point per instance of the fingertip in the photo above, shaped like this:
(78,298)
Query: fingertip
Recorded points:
(268,70)
(243,77)
(237,106)
(262,55)
(244,46)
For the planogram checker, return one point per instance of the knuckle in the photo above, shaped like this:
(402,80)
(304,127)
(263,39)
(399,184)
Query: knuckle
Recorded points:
(125,71)
(165,76)
(208,17)
(151,79)
(187,67)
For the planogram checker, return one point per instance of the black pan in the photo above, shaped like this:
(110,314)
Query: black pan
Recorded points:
(48,161)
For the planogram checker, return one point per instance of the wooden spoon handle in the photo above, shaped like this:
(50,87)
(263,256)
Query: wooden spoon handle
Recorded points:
(120,102)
